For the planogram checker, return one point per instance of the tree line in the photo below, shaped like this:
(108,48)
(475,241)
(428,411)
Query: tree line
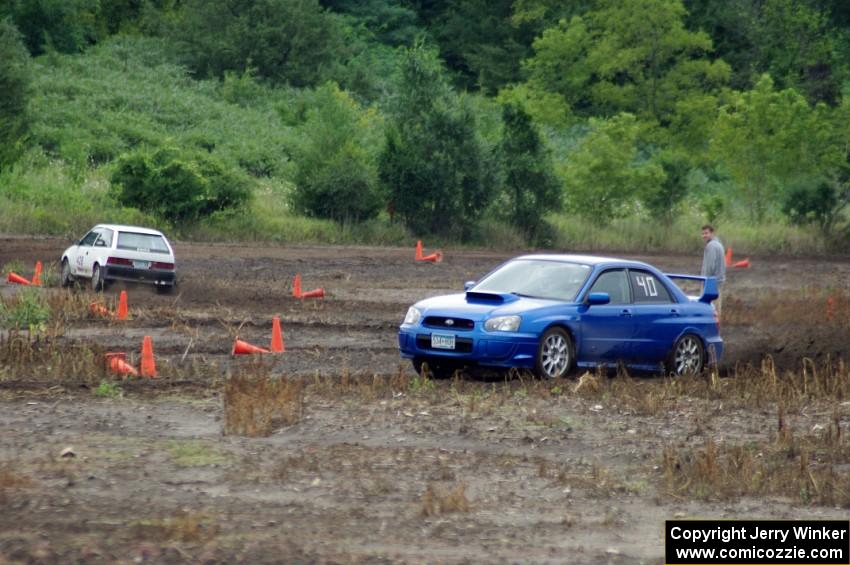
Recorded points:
(436,114)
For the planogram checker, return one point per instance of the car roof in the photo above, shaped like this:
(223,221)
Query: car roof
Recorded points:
(592,260)
(134,229)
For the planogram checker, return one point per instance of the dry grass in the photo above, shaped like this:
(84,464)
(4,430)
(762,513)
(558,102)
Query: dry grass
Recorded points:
(256,404)
(10,479)
(437,501)
(183,526)
(809,468)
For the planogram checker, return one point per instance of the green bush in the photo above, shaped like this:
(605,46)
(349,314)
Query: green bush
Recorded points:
(26,311)
(337,177)
(14,85)
(178,186)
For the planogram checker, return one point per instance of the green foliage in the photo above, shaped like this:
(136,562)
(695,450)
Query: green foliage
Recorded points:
(125,92)
(180,187)
(625,56)
(337,176)
(792,40)
(437,171)
(68,26)
(108,389)
(664,199)
(480,43)
(28,311)
(764,136)
(604,174)
(818,203)
(14,84)
(286,41)
(530,188)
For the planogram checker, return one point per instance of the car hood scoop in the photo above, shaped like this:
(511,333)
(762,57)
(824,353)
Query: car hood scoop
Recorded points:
(490,297)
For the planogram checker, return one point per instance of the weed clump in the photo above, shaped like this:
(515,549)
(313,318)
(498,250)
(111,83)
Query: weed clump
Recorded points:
(255,404)
(437,501)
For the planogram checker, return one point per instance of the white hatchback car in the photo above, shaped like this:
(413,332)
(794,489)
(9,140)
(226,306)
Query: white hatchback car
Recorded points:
(111,252)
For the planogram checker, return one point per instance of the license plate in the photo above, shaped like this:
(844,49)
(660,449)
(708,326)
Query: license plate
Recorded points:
(440,341)
(142,264)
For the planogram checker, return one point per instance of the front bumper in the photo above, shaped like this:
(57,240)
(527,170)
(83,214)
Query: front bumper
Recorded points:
(149,276)
(476,347)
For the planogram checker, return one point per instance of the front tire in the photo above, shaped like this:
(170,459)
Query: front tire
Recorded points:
(555,354)
(67,277)
(97,282)
(688,356)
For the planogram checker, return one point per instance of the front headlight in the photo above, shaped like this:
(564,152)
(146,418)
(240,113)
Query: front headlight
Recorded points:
(413,316)
(502,324)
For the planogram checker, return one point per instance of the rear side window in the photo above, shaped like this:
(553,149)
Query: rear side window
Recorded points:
(142,242)
(106,237)
(648,289)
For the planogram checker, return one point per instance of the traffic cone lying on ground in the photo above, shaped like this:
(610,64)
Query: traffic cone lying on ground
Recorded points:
(122,306)
(745,264)
(729,257)
(36,277)
(297,293)
(98,309)
(148,364)
(433,257)
(17,279)
(277,345)
(315,293)
(117,363)
(244,348)
(296,286)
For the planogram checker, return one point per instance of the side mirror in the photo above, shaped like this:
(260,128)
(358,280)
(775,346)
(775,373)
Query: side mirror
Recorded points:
(468,284)
(598,298)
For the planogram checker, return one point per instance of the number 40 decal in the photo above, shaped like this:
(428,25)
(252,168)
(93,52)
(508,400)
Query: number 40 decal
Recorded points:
(647,284)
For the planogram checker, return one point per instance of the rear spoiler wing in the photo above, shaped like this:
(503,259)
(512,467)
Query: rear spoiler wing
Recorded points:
(709,286)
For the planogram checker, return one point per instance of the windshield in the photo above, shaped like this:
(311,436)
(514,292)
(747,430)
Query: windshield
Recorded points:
(537,278)
(142,242)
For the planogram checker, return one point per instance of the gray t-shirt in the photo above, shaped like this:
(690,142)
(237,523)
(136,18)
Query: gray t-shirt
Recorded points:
(714,260)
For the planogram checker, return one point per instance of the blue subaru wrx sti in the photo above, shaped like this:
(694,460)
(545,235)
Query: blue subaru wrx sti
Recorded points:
(551,313)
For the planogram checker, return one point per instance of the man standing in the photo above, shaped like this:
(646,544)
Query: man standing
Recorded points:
(714,262)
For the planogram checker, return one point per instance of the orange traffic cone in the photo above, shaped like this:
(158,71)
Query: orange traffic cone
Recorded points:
(418,256)
(315,293)
(745,264)
(17,279)
(277,337)
(729,257)
(117,363)
(98,309)
(433,257)
(122,306)
(244,348)
(148,364)
(36,277)
(296,286)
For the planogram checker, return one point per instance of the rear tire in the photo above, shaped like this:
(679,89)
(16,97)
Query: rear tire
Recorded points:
(687,358)
(555,354)
(97,282)
(436,369)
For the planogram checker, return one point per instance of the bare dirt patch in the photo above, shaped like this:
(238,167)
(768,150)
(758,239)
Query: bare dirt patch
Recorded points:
(361,459)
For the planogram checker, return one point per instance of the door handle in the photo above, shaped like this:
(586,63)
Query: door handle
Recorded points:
(674,312)
(626,313)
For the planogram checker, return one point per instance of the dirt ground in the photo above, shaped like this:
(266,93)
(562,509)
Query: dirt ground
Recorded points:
(471,470)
